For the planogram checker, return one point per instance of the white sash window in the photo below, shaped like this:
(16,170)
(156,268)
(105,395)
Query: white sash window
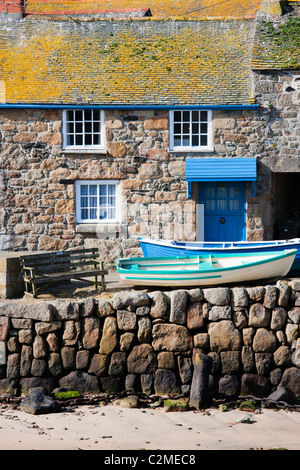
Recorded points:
(97,201)
(191,130)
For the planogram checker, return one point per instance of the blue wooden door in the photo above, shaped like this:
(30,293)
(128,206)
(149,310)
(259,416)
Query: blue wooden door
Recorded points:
(224,210)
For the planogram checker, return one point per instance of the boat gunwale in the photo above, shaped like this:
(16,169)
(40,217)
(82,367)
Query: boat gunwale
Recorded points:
(244,245)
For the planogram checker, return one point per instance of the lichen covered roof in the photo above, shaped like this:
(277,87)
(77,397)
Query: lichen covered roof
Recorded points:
(159,8)
(127,62)
(277,44)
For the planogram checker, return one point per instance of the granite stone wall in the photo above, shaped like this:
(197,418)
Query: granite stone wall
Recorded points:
(153,341)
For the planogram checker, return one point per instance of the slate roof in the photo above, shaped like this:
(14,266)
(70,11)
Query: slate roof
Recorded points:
(277,43)
(127,62)
(235,9)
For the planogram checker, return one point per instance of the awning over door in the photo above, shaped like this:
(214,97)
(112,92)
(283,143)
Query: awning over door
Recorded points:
(220,169)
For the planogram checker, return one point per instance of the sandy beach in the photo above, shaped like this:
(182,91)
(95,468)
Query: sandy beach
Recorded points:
(112,428)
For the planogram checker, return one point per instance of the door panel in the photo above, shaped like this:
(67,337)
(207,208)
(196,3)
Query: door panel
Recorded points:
(224,211)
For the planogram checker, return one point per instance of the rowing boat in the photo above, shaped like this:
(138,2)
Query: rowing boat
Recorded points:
(162,248)
(203,270)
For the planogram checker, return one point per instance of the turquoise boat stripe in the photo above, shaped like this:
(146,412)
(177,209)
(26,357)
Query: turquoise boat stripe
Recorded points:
(173,264)
(172,279)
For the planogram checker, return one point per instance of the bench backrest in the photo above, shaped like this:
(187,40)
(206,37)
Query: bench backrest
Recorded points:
(61,261)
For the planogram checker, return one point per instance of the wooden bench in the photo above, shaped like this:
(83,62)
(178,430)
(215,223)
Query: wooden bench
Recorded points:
(52,267)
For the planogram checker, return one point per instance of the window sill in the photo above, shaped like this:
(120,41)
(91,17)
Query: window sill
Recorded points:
(192,150)
(85,151)
(96,228)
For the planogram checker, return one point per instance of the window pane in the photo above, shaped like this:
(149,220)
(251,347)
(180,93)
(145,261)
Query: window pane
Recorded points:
(209,192)
(84,189)
(186,116)
(70,115)
(97,139)
(203,140)
(111,201)
(88,115)
(78,128)
(88,127)
(195,141)
(203,128)
(84,214)
(185,141)
(111,189)
(177,128)
(96,127)
(84,202)
(93,189)
(177,141)
(112,213)
(222,191)
(88,139)
(103,214)
(186,128)
(195,128)
(234,193)
(210,205)
(70,127)
(96,115)
(103,189)
(93,201)
(221,204)
(233,205)
(203,115)
(177,116)
(78,139)
(70,139)
(78,115)
(103,201)
(195,116)
(93,213)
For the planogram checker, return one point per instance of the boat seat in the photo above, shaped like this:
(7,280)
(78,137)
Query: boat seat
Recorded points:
(206,264)
(133,266)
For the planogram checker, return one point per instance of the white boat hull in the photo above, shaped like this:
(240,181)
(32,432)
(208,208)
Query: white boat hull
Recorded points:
(183,271)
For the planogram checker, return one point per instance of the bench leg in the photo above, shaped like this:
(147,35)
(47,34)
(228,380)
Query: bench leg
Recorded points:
(34,294)
(103,282)
(96,282)
(27,284)
(102,276)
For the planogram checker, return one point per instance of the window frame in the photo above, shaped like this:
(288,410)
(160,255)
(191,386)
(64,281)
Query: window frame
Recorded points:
(191,148)
(78,207)
(83,147)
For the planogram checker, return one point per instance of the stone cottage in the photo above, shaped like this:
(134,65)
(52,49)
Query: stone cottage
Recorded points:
(170,120)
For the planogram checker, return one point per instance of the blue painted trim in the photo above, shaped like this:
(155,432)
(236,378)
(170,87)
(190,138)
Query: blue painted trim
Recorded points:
(220,169)
(121,106)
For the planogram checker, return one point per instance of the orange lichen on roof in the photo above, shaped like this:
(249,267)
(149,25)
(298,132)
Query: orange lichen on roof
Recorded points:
(159,8)
(124,62)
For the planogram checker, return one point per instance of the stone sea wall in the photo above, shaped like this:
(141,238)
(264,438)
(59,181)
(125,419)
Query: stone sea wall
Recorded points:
(227,342)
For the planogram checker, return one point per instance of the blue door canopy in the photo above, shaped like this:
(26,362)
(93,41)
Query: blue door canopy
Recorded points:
(220,169)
